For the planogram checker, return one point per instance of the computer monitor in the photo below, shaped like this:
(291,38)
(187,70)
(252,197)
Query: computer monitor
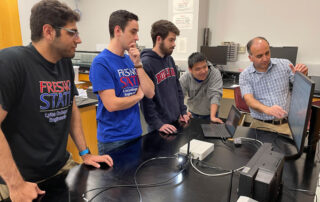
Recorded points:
(316,80)
(217,55)
(300,105)
(287,52)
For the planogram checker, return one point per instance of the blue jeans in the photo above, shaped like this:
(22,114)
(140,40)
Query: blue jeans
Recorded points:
(105,148)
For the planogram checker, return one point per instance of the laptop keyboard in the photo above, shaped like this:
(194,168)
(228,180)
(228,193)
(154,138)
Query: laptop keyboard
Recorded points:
(220,128)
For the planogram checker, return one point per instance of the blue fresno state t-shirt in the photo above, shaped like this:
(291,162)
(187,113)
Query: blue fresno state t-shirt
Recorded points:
(111,71)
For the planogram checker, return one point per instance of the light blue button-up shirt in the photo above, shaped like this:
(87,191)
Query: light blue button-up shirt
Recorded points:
(270,87)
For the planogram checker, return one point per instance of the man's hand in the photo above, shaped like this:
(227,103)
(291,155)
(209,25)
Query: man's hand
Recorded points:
(185,118)
(25,191)
(168,129)
(276,111)
(216,120)
(134,54)
(299,68)
(94,160)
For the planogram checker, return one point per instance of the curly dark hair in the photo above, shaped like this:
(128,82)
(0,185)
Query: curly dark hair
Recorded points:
(51,12)
(162,28)
(121,18)
(195,58)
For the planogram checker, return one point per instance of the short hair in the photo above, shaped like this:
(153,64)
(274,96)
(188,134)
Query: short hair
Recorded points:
(121,18)
(51,12)
(249,44)
(196,57)
(162,28)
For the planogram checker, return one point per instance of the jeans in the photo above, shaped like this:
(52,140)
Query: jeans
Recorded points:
(107,147)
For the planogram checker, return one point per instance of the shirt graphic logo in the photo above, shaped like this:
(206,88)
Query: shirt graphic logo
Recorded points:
(129,81)
(164,74)
(55,98)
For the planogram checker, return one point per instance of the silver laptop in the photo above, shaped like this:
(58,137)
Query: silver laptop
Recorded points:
(225,130)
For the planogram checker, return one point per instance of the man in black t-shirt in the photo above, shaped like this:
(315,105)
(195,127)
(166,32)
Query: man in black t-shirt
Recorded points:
(37,107)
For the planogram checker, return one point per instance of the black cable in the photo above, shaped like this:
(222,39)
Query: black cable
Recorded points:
(165,182)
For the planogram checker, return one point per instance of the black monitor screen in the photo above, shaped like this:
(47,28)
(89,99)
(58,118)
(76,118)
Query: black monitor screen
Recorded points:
(233,119)
(217,55)
(316,80)
(300,105)
(289,53)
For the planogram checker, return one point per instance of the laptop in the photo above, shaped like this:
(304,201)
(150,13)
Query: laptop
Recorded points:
(225,130)
(316,80)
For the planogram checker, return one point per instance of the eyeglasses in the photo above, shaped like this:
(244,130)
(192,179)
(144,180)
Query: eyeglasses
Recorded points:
(71,32)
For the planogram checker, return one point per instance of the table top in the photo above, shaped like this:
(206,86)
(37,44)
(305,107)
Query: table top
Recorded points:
(187,185)
(84,102)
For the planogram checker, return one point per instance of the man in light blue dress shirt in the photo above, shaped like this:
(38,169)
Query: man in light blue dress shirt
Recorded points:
(265,85)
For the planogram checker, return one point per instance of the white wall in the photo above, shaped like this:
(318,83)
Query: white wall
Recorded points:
(283,23)
(93,26)
(24,7)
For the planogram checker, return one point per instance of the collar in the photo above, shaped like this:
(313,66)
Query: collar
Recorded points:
(252,69)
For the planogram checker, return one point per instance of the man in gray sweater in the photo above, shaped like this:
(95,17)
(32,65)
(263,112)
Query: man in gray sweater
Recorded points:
(203,86)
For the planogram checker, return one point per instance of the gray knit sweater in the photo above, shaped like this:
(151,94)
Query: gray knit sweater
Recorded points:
(202,95)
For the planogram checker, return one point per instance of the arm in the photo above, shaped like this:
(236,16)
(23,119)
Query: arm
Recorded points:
(274,110)
(19,189)
(77,136)
(184,117)
(184,84)
(213,112)
(214,94)
(113,103)
(146,84)
(183,92)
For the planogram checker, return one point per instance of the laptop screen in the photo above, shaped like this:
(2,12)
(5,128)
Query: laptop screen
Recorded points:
(233,120)
(316,80)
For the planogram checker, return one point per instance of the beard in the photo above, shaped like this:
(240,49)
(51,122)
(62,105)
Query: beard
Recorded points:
(164,50)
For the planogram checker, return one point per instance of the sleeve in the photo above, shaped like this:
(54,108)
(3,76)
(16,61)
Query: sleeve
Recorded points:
(183,108)
(215,87)
(11,80)
(244,82)
(100,77)
(289,71)
(148,106)
(184,83)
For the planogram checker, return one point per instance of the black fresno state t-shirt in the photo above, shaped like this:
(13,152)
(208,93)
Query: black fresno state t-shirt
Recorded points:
(38,96)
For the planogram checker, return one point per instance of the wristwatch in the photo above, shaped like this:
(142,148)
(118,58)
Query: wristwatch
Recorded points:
(138,65)
(84,152)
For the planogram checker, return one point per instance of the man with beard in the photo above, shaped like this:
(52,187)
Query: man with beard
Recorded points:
(167,107)
(203,85)
(37,107)
(265,86)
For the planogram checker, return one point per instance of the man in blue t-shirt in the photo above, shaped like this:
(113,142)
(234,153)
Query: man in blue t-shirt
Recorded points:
(120,82)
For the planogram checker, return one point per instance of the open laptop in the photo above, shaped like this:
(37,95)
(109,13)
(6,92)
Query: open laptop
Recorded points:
(225,130)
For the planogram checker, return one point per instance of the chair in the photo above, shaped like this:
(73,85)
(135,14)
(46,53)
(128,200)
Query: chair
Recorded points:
(241,105)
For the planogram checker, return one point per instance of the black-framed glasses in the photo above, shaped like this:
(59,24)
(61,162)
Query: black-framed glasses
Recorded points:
(71,32)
